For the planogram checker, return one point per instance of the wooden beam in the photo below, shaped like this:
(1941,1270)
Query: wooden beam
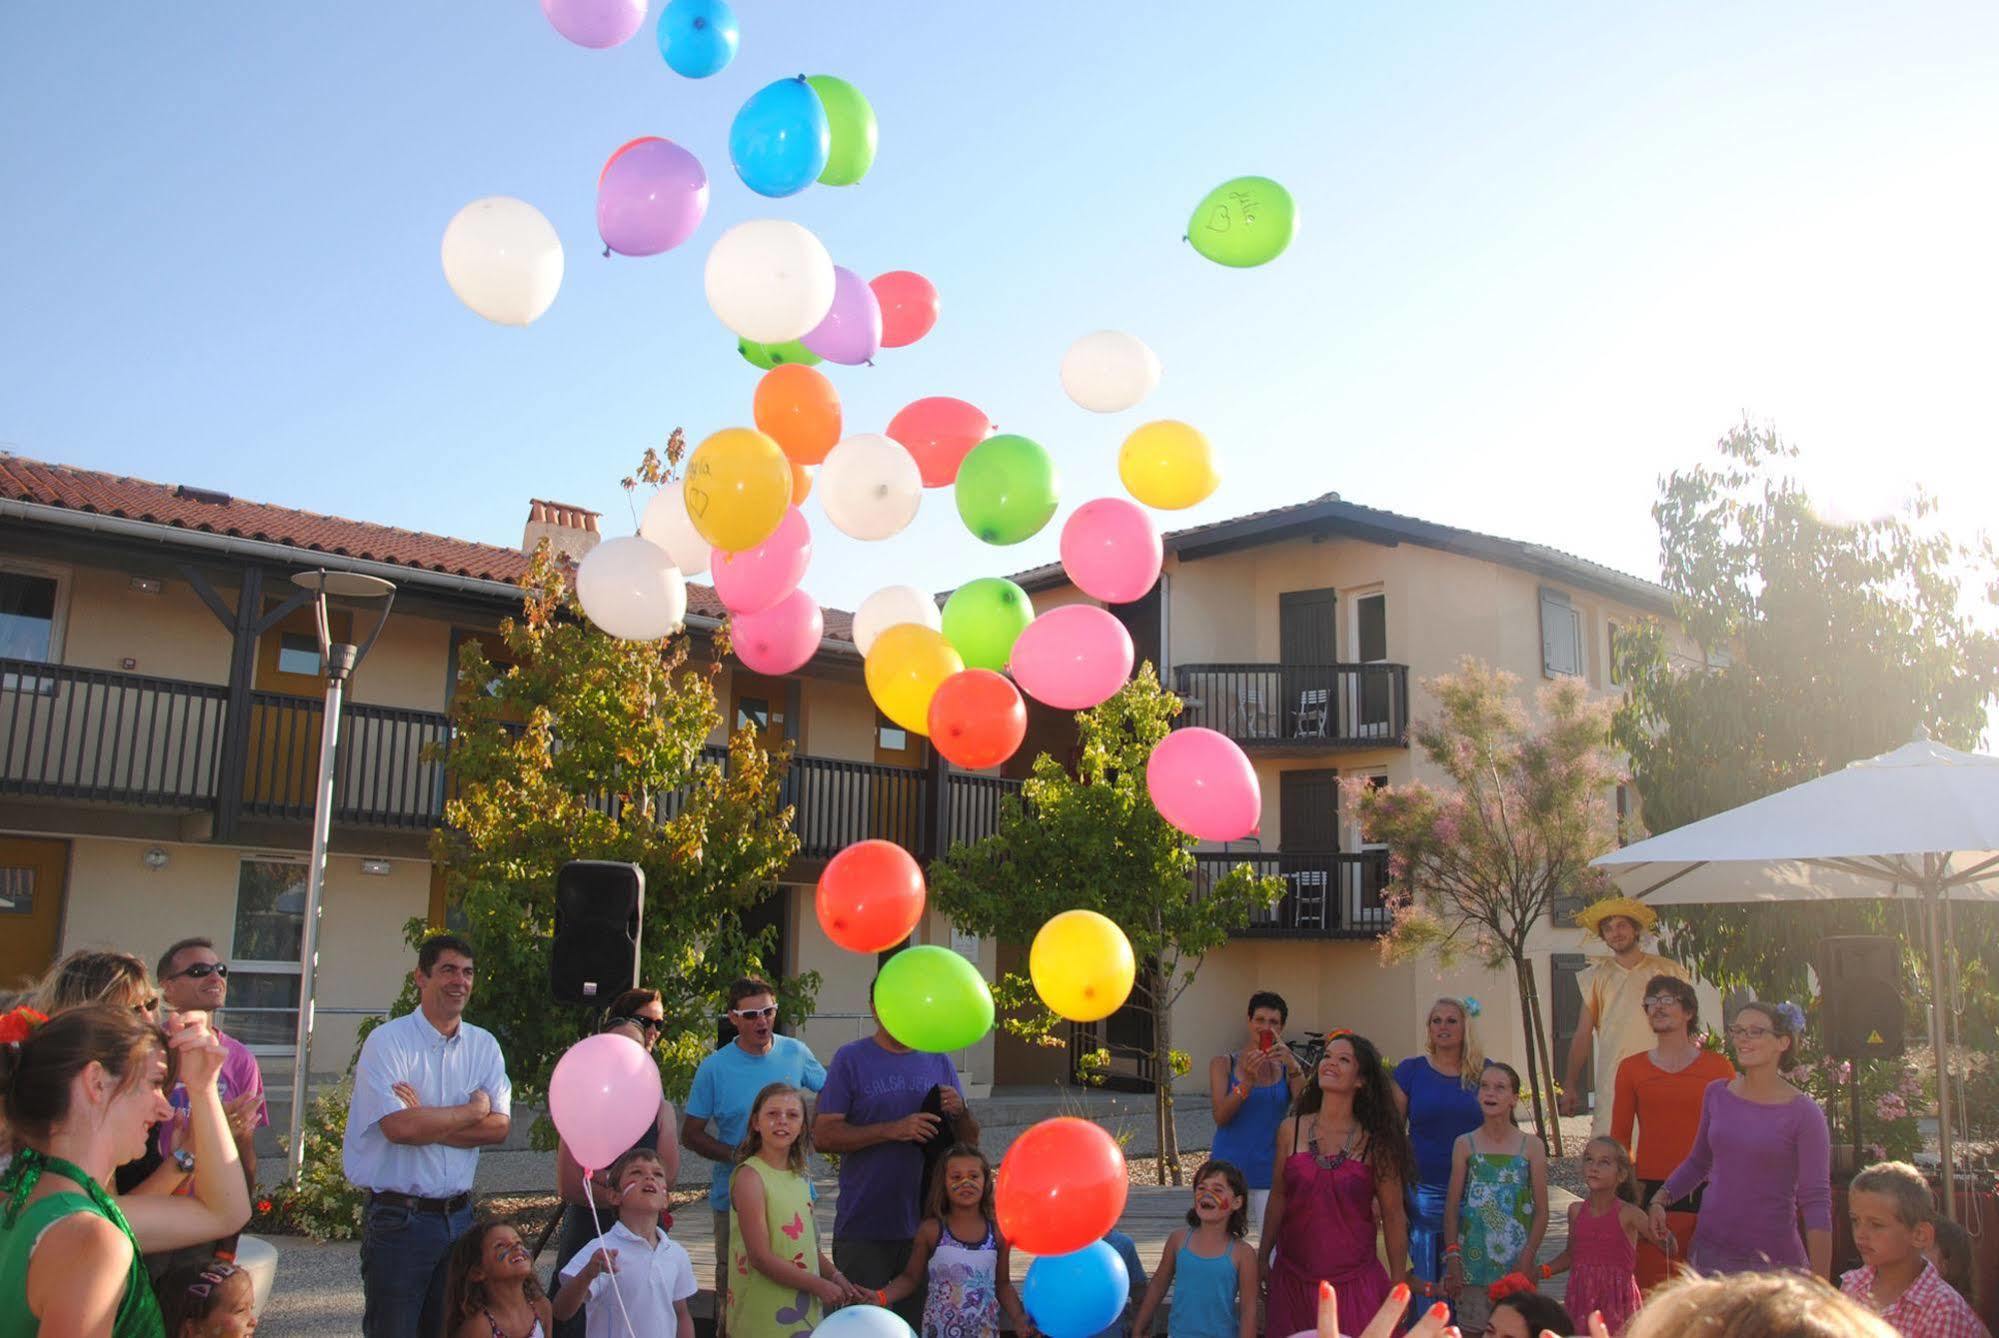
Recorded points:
(209,595)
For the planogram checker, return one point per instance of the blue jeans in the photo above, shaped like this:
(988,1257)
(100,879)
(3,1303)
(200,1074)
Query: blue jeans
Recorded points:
(402,1268)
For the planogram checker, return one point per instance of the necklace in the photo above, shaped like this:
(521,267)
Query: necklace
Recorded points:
(1339,1158)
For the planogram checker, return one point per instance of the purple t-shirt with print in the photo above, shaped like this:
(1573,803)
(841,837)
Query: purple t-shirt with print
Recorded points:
(879,1184)
(239,1074)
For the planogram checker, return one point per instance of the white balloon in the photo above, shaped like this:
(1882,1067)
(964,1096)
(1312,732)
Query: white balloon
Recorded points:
(769,280)
(503,259)
(667,524)
(891,606)
(1109,371)
(870,486)
(631,589)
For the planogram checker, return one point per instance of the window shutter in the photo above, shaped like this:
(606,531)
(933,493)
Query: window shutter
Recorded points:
(1561,639)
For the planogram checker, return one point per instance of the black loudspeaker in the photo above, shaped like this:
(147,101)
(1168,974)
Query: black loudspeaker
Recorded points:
(1860,988)
(598,907)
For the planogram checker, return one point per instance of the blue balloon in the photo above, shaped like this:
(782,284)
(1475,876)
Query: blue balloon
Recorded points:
(698,38)
(1076,1295)
(863,1321)
(781,138)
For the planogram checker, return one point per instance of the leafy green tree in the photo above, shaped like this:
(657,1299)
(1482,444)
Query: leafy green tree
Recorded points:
(1092,840)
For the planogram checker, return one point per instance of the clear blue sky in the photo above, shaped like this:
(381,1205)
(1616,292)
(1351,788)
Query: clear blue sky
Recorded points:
(1546,253)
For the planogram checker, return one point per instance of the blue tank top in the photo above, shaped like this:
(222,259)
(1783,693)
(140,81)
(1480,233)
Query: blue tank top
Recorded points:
(1204,1295)
(1441,1109)
(1250,1139)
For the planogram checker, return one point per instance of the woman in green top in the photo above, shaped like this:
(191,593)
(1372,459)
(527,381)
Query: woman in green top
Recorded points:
(81,1093)
(780,1282)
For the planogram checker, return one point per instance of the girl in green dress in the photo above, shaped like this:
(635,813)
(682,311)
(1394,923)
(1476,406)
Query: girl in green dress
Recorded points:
(780,1283)
(1496,1209)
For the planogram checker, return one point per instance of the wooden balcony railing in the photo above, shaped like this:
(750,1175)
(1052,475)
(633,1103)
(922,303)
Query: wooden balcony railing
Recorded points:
(1326,895)
(101,735)
(1305,705)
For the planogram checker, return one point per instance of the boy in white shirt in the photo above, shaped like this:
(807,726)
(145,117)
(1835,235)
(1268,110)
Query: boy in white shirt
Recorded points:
(649,1272)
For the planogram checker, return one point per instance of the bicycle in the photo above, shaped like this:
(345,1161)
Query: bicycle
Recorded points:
(1310,1050)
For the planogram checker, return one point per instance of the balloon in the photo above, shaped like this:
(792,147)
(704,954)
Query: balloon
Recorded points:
(977,718)
(753,580)
(851,148)
(1111,550)
(667,524)
(778,140)
(1244,222)
(604,1093)
(863,1321)
(1072,658)
(1202,783)
(503,259)
(596,24)
(782,638)
(903,669)
(1082,966)
(769,280)
(939,432)
(631,589)
(697,38)
(1167,465)
(870,896)
(1006,489)
(933,1000)
(1061,1186)
(983,618)
(909,306)
(767,356)
(651,196)
(1109,371)
(738,485)
(851,332)
(1076,1295)
(892,606)
(798,409)
(870,487)
(801,483)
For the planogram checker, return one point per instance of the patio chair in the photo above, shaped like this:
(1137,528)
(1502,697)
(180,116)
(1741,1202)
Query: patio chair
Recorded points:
(1252,716)
(1308,898)
(1313,718)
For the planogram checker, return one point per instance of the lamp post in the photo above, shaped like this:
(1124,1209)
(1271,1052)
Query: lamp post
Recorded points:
(338,660)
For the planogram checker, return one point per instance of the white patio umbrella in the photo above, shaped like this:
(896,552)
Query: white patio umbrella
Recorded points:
(1919,824)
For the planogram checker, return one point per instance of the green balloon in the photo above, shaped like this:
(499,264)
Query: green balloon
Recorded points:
(766,356)
(983,618)
(854,131)
(931,999)
(1244,222)
(1006,489)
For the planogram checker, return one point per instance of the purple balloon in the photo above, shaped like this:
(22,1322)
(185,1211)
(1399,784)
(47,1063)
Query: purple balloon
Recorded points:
(651,196)
(851,334)
(595,23)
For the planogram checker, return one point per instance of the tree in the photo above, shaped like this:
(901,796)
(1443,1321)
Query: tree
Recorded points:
(1092,840)
(1475,867)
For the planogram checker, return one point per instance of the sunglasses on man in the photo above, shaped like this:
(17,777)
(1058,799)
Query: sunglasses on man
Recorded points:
(201,971)
(767,1012)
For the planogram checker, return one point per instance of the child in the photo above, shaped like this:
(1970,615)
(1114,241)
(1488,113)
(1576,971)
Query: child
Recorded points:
(1603,1238)
(779,1281)
(1529,1315)
(960,1249)
(1496,1209)
(634,1275)
(491,1290)
(1134,1270)
(1952,1254)
(1211,1272)
(213,1299)
(1893,1216)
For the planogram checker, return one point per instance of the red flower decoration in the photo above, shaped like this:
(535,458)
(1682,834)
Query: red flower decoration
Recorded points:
(263,1205)
(20,1024)
(1508,1285)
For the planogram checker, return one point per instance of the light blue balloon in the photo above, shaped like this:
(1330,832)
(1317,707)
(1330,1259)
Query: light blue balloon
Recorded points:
(863,1321)
(1076,1295)
(781,139)
(698,38)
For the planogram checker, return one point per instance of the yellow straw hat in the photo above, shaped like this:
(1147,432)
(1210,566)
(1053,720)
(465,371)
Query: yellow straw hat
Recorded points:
(1631,909)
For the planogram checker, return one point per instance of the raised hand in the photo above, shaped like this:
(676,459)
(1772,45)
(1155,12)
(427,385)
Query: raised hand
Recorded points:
(198,1053)
(242,1113)
(1433,1324)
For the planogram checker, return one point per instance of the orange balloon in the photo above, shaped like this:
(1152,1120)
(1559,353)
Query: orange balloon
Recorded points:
(870,896)
(798,408)
(801,482)
(977,719)
(1061,1185)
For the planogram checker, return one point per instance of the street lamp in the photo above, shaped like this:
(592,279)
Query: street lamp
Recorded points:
(338,660)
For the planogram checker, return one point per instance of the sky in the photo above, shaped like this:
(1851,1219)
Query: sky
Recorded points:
(1545,255)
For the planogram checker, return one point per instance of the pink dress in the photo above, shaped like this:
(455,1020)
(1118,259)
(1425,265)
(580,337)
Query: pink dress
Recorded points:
(1603,1268)
(1327,1234)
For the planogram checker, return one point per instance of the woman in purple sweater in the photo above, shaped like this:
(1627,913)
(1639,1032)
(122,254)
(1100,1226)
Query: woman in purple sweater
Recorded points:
(1766,1157)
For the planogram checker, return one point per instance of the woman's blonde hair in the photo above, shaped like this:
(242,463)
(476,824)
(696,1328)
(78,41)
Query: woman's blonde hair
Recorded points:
(1471,1063)
(1753,1305)
(94,976)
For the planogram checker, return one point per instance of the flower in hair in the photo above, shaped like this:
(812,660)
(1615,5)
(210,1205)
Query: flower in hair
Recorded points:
(1793,1015)
(1472,1007)
(1509,1285)
(18,1025)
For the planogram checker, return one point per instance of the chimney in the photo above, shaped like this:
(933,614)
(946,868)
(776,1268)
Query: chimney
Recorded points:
(570,530)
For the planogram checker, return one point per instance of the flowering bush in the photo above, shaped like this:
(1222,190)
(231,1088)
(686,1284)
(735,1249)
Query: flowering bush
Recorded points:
(1892,1094)
(322,1205)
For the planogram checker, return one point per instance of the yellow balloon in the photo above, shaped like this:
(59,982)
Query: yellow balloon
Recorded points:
(1082,966)
(738,485)
(1168,465)
(903,669)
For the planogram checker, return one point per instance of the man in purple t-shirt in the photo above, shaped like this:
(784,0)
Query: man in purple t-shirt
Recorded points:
(871,1113)
(194,979)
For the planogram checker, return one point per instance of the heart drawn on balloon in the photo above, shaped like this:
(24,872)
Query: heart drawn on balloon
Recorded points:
(1219,220)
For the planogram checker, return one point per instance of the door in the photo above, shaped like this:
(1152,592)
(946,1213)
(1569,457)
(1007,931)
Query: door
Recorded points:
(1143,619)
(1370,647)
(1305,643)
(895,798)
(757,703)
(32,878)
(771,911)
(285,723)
(1308,841)
(1563,968)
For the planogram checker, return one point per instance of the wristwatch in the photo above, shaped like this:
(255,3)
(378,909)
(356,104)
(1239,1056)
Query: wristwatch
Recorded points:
(185,1160)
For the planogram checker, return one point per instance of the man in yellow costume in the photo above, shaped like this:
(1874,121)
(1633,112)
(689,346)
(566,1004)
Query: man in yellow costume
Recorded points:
(1613,1001)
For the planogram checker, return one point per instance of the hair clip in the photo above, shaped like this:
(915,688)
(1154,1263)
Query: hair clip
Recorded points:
(19,1024)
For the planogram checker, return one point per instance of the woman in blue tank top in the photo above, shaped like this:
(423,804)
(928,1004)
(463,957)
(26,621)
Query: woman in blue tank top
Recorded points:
(1251,1089)
(1437,1092)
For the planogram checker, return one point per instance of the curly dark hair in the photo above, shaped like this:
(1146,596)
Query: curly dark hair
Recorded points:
(465,1295)
(1388,1152)
(1543,1314)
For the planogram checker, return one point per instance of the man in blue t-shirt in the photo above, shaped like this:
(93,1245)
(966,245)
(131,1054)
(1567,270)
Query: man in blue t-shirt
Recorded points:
(725,1085)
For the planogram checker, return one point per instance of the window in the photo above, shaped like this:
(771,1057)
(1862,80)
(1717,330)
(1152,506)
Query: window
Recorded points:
(264,965)
(1561,635)
(1612,632)
(17,890)
(891,738)
(752,713)
(30,624)
(298,654)
(1371,628)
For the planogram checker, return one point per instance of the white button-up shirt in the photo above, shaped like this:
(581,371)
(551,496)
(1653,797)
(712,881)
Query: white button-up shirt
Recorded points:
(445,1071)
(650,1279)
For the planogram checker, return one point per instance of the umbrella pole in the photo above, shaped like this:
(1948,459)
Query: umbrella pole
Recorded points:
(1938,1002)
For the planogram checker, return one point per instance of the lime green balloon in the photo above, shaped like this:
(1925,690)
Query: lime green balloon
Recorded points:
(1244,222)
(931,999)
(766,356)
(1006,489)
(852,120)
(983,618)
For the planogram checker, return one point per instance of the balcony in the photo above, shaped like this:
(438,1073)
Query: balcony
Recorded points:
(1304,708)
(1326,895)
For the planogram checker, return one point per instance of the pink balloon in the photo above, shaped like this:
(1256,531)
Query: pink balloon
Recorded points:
(1202,783)
(757,578)
(596,23)
(780,639)
(851,333)
(651,196)
(1111,550)
(909,306)
(1072,658)
(604,1093)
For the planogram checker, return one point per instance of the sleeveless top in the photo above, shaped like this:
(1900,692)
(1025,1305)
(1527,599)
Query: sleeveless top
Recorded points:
(964,1289)
(1204,1295)
(760,1307)
(499,1332)
(1497,1213)
(1250,1139)
(22,1224)
(1327,1233)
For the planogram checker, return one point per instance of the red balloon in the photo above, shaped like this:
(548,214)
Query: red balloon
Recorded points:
(1061,1186)
(870,896)
(977,719)
(940,432)
(909,306)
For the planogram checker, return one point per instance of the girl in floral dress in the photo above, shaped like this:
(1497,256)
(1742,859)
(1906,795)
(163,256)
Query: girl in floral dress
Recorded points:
(961,1253)
(1496,1209)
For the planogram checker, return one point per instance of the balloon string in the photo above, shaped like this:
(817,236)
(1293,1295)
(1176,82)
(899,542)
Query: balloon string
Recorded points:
(617,1292)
